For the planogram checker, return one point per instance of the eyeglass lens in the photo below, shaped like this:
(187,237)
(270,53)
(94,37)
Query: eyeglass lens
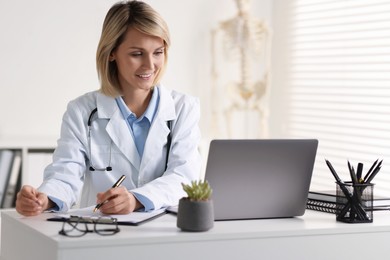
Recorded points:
(74,229)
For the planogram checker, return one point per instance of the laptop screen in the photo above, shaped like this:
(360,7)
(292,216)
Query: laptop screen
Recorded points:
(268,178)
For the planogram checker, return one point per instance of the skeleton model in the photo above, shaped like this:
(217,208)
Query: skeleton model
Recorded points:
(240,51)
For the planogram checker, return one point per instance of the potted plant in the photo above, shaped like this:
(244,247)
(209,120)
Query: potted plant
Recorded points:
(196,211)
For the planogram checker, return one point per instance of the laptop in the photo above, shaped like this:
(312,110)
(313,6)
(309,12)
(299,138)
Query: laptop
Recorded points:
(255,179)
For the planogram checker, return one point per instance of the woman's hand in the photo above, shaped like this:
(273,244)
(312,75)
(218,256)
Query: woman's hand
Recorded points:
(31,202)
(117,201)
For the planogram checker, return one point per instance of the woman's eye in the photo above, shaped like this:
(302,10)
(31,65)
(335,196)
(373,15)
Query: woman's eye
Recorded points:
(135,54)
(158,53)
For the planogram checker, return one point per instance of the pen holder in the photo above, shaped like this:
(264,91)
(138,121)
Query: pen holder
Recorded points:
(354,202)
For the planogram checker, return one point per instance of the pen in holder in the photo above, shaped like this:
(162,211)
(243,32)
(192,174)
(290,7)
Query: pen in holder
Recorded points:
(354,202)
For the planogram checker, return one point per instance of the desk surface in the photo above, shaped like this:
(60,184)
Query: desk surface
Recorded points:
(312,232)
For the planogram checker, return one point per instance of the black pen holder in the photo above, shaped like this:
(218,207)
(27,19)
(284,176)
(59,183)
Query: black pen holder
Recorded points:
(354,202)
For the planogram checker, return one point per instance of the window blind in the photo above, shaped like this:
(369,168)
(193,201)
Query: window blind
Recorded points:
(340,85)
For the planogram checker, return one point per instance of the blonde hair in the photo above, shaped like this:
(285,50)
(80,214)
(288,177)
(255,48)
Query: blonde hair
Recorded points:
(121,16)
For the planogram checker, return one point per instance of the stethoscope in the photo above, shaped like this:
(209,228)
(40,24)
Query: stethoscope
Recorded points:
(109,168)
(92,167)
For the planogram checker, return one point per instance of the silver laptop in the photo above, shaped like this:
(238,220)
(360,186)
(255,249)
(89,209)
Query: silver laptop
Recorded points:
(266,178)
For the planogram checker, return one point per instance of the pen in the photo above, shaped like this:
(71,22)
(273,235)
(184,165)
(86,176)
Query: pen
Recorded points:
(378,167)
(370,170)
(356,178)
(117,183)
(332,170)
(352,173)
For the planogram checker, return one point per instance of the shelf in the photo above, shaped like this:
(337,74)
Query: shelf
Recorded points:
(36,153)
(30,142)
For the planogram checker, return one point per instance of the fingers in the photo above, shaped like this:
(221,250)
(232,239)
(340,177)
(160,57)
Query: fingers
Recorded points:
(27,202)
(44,201)
(117,201)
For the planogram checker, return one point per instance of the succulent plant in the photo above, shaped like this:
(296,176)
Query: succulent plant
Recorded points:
(198,190)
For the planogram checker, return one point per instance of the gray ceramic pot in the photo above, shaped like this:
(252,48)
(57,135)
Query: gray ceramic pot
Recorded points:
(195,215)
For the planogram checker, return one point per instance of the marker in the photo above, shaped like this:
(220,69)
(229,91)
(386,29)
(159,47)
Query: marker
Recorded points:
(359,173)
(117,184)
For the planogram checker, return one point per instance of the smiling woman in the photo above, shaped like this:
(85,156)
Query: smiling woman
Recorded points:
(139,60)
(127,125)
(125,33)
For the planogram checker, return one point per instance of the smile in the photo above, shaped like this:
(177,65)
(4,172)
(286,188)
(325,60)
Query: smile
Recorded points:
(144,76)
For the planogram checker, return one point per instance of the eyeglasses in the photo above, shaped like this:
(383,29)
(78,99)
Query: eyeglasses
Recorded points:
(78,226)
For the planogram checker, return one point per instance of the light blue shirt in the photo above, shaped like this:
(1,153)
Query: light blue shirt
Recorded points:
(139,129)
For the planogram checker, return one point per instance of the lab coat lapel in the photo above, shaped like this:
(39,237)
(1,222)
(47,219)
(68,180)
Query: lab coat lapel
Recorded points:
(159,131)
(118,129)
(157,136)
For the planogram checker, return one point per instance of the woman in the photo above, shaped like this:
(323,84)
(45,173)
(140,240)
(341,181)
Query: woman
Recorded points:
(133,126)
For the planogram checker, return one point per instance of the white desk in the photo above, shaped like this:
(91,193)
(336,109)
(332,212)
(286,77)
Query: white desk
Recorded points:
(316,235)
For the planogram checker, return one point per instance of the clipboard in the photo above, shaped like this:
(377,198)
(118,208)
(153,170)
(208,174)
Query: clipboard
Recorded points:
(173,209)
(86,215)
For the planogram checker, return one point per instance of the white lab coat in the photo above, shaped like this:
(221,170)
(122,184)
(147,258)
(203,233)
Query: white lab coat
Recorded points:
(69,177)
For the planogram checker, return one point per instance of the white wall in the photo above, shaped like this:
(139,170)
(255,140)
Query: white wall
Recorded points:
(280,68)
(47,55)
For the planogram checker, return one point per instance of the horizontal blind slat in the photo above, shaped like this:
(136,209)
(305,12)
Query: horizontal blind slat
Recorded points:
(340,83)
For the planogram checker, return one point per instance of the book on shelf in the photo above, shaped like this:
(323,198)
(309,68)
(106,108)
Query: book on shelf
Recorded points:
(6,160)
(12,186)
(326,201)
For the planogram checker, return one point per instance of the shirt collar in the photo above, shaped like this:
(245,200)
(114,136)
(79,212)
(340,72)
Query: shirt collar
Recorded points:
(150,110)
